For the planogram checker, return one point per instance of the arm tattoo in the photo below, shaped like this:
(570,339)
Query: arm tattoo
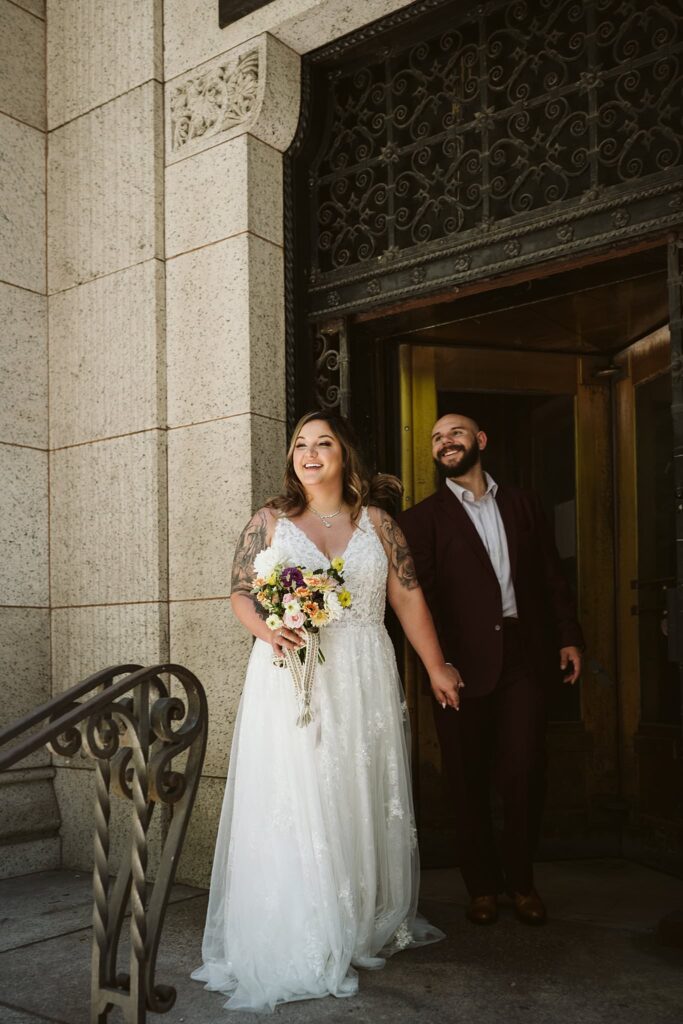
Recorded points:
(254,538)
(399,552)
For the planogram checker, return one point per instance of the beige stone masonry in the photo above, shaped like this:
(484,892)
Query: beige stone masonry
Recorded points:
(207,638)
(243,177)
(22,205)
(97,51)
(105,189)
(23,357)
(217,475)
(25,657)
(85,640)
(225,330)
(23,527)
(107,356)
(36,7)
(22,39)
(108,521)
(192,34)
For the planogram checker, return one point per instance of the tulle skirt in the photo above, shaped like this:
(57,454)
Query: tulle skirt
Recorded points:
(316,867)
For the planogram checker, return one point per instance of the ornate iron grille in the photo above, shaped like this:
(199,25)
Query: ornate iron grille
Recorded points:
(500,139)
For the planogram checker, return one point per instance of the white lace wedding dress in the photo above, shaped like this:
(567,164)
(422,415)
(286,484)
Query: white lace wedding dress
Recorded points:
(316,867)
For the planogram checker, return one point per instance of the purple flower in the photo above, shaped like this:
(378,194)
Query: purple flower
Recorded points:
(291,577)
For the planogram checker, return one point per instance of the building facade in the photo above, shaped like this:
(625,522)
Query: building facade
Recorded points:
(381,207)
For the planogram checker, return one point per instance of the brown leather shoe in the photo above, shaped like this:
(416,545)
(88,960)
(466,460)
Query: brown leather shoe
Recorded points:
(483,910)
(530,908)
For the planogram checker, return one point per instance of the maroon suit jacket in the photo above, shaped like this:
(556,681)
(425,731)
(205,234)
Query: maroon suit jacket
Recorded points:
(463,593)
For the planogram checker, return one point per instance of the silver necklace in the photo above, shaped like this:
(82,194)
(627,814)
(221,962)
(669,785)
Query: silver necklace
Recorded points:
(324,516)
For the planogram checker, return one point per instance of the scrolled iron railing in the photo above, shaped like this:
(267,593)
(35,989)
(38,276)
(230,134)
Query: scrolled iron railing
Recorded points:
(127,720)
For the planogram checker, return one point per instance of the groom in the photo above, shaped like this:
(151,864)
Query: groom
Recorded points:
(507,620)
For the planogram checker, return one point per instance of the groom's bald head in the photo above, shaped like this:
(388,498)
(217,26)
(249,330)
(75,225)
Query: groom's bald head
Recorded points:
(453,420)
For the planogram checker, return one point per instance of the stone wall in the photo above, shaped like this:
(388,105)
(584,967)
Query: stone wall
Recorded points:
(29,818)
(165,320)
(107,382)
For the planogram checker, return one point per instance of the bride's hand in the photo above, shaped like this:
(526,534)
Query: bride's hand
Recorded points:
(446,686)
(284,639)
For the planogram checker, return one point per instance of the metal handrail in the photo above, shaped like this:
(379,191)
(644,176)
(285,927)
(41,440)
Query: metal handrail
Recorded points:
(133,727)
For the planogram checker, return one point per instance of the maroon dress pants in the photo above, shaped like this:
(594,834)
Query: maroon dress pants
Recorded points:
(497,740)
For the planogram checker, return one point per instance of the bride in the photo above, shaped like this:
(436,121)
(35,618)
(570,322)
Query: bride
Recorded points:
(316,867)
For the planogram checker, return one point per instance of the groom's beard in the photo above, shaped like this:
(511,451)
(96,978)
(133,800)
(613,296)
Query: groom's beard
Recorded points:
(470,459)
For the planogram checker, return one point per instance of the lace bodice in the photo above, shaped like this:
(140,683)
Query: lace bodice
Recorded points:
(365,567)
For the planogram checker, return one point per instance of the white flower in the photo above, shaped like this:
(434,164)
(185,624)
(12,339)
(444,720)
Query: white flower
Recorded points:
(273,622)
(266,561)
(333,605)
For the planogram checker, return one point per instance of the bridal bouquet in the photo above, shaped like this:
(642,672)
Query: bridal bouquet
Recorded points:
(295,597)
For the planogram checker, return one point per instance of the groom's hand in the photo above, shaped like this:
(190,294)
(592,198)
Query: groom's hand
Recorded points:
(446,686)
(570,664)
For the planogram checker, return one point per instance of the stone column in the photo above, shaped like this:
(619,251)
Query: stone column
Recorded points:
(227,124)
(106,345)
(29,818)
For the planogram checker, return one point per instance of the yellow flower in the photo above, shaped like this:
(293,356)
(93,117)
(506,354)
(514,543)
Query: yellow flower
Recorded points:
(272,579)
(345,599)
(337,564)
(320,618)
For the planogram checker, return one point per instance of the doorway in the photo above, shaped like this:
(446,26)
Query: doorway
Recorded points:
(588,429)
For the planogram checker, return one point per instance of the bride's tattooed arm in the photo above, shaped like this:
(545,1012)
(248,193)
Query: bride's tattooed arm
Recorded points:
(254,538)
(398,551)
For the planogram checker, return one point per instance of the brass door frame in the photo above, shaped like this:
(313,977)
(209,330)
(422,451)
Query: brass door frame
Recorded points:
(643,362)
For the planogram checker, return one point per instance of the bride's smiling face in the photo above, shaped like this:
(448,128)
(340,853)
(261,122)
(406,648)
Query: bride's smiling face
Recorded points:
(317,455)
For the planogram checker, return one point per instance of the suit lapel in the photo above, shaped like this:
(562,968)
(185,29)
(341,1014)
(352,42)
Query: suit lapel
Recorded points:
(507,514)
(465,525)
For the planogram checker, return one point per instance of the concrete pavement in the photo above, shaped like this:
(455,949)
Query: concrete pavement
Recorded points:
(597,961)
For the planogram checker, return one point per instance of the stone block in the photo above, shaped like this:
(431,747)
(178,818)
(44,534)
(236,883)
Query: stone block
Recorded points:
(210,500)
(107,356)
(26,859)
(108,535)
(225,331)
(105,196)
(75,791)
(197,856)
(36,7)
(243,177)
(23,526)
(25,657)
(192,34)
(22,205)
(269,444)
(85,640)
(253,88)
(209,640)
(23,356)
(22,65)
(96,53)
(28,808)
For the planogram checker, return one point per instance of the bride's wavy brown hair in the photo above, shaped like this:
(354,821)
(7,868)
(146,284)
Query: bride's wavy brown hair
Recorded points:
(359,486)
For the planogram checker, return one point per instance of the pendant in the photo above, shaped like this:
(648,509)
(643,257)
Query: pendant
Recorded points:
(328,526)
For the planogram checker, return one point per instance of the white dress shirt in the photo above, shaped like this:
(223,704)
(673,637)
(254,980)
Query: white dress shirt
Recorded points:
(488,523)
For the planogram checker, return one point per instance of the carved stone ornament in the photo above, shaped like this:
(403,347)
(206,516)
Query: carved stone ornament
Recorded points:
(222,98)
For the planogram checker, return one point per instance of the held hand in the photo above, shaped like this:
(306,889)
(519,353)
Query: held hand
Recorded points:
(570,663)
(446,686)
(284,639)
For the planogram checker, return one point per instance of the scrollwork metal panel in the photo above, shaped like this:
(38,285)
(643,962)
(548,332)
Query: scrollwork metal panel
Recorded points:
(513,116)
